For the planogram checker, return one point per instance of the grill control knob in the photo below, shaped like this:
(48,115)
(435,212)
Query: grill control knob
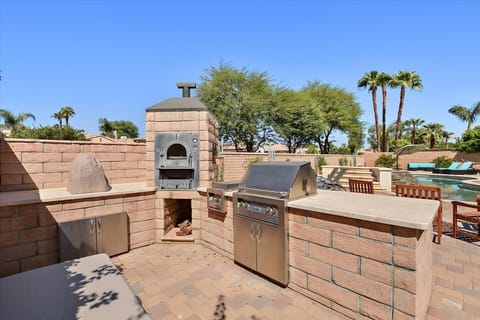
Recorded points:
(268,211)
(274,212)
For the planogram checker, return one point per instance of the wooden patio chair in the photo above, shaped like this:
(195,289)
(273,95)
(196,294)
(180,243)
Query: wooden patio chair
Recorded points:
(360,186)
(470,219)
(423,192)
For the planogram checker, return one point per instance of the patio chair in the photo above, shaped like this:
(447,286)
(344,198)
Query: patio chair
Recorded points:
(360,186)
(423,192)
(469,221)
(454,165)
(333,180)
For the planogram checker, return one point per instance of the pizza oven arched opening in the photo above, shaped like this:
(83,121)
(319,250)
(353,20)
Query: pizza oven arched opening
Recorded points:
(176,152)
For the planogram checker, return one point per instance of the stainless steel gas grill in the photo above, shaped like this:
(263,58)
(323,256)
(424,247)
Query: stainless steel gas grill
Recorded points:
(260,221)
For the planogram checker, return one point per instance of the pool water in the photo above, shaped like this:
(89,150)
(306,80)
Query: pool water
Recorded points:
(451,187)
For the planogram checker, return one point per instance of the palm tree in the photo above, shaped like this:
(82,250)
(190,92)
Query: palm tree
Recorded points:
(432,132)
(370,81)
(59,117)
(466,115)
(13,121)
(384,80)
(404,79)
(412,126)
(67,112)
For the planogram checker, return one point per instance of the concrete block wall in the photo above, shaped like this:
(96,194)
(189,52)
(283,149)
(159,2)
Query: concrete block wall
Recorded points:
(423,156)
(358,268)
(202,122)
(29,232)
(27,164)
(235,164)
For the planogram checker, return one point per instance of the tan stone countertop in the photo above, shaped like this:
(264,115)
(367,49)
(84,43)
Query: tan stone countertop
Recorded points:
(403,212)
(87,288)
(61,194)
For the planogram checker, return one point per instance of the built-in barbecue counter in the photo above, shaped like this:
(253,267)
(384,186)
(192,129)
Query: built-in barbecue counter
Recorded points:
(363,254)
(359,254)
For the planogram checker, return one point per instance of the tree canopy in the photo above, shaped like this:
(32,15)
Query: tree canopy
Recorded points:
(470,140)
(13,121)
(466,115)
(294,118)
(335,110)
(123,128)
(241,101)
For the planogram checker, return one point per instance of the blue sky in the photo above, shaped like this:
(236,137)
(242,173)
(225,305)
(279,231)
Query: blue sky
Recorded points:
(114,59)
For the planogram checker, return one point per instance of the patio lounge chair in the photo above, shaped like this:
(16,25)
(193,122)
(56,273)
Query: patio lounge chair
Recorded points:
(332,182)
(466,223)
(360,186)
(424,166)
(423,192)
(465,168)
(454,165)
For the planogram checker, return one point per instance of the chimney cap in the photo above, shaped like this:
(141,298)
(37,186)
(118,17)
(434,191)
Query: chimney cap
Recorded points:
(186,86)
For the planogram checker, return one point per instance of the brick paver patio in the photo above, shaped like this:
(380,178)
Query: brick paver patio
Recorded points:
(185,281)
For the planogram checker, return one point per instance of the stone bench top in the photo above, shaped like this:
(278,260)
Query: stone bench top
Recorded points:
(396,211)
(86,288)
(61,194)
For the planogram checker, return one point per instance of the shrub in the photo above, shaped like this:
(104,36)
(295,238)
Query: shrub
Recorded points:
(311,149)
(385,160)
(343,161)
(442,162)
(321,162)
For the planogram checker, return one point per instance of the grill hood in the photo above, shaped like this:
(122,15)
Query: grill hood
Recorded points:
(290,180)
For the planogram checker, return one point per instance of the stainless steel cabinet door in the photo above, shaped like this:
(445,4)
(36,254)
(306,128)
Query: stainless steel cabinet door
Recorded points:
(77,239)
(245,242)
(271,254)
(112,234)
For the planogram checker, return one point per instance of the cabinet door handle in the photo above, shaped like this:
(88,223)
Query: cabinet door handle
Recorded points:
(92,227)
(99,225)
(252,231)
(259,232)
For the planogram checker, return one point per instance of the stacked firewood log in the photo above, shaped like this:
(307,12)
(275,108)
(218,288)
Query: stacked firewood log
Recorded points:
(185,228)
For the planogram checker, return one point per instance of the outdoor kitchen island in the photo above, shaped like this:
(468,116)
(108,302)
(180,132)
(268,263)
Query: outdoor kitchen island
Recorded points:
(365,256)
(360,254)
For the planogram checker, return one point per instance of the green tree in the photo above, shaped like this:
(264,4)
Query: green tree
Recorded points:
(470,141)
(466,115)
(412,127)
(59,117)
(50,133)
(13,121)
(432,133)
(384,80)
(370,81)
(293,118)
(121,127)
(335,109)
(404,79)
(241,101)
(106,127)
(67,112)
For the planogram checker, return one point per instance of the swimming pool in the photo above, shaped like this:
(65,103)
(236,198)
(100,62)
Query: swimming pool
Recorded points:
(453,188)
